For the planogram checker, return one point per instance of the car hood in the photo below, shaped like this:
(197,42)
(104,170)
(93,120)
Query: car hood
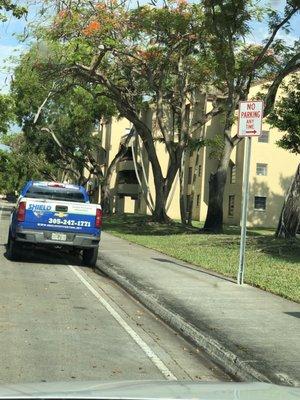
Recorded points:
(150,390)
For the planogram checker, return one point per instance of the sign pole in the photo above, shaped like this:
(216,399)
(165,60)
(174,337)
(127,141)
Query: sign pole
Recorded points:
(249,125)
(240,277)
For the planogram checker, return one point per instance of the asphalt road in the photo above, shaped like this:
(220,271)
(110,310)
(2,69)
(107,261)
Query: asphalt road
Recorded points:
(60,321)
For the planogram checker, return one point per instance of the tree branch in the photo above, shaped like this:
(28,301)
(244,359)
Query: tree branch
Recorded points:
(292,66)
(160,120)
(43,104)
(216,110)
(271,38)
(48,130)
(127,110)
(120,154)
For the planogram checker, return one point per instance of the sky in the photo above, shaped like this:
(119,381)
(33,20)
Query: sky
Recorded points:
(9,42)
(10,46)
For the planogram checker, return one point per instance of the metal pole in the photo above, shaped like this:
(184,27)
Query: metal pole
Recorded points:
(240,277)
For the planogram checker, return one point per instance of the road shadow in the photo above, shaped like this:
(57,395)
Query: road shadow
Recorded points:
(197,269)
(144,225)
(295,314)
(40,255)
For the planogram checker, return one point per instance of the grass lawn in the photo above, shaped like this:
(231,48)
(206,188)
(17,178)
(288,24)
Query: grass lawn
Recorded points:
(271,264)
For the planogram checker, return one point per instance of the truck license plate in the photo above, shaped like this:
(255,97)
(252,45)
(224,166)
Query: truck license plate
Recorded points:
(59,236)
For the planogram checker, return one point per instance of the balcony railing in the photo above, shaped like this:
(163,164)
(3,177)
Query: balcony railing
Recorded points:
(128,189)
(125,165)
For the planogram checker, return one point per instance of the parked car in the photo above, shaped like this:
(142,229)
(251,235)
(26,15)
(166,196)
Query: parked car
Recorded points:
(55,214)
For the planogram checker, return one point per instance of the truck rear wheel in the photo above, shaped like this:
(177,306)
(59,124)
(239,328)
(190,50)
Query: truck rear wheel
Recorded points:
(89,256)
(12,249)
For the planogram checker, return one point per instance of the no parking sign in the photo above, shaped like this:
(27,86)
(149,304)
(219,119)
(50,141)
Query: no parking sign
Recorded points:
(250,118)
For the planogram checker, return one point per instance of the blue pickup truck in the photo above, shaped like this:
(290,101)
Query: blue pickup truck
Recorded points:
(55,214)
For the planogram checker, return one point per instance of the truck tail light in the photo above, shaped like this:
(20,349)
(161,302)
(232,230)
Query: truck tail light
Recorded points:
(21,211)
(98,221)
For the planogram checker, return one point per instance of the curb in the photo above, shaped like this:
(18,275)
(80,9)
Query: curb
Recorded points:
(226,359)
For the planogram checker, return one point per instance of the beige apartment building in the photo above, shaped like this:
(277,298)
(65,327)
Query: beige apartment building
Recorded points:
(271,172)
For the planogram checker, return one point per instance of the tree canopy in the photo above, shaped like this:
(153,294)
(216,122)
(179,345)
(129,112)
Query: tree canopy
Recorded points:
(19,164)
(58,118)
(157,58)
(13,7)
(286,116)
(7,115)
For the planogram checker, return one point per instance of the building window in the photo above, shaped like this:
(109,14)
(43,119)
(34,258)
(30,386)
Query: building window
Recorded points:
(231,205)
(198,200)
(264,137)
(190,175)
(260,203)
(233,173)
(261,169)
(199,170)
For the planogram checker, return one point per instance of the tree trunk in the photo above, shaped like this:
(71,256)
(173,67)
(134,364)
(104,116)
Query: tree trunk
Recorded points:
(105,184)
(217,182)
(161,194)
(192,195)
(160,213)
(105,198)
(163,188)
(182,205)
(182,198)
(289,221)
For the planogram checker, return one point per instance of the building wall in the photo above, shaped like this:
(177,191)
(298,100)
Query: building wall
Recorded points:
(281,166)
(235,188)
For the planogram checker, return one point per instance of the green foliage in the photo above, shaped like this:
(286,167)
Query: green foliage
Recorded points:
(215,146)
(235,58)
(13,7)
(286,116)
(7,115)
(20,164)
(141,50)
(129,54)
(72,111)
(151,51)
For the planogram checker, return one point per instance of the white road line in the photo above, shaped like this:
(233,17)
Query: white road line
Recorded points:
(1,209)
(147,350)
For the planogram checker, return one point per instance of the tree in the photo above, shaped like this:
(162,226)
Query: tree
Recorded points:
(59,118)
(163,54)
(286,117)
(19,164)
(157,57)
(11,6)
(6,104)
(142,57)
(238,65)
(6,112)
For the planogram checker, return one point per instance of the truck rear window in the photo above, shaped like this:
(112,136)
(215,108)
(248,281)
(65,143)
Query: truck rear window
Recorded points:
(55,193)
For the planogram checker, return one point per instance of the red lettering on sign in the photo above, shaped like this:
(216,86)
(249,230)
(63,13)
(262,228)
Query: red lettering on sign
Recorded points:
(250,114)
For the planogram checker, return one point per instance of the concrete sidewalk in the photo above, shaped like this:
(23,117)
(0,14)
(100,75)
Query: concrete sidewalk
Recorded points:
(253,334)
